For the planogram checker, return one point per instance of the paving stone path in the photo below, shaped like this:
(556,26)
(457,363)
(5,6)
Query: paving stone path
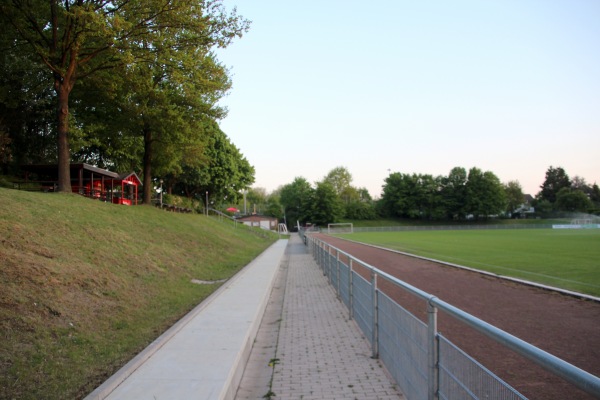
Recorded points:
(307,348)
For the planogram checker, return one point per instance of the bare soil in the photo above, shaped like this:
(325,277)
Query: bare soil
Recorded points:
(565,326)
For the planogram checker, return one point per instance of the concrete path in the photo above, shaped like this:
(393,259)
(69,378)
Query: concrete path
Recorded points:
(306,347)
(277,323)
(202,356)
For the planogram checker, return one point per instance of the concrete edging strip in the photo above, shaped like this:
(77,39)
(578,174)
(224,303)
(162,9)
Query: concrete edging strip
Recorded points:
(267,264)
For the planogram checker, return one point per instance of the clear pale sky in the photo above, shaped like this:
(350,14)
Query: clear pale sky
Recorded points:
(508,86)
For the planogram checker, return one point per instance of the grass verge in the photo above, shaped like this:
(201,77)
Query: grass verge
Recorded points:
(86,285)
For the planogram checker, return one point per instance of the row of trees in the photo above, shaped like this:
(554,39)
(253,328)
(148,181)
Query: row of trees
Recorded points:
(461,195)
(559,193)
(456,196)
(124,85)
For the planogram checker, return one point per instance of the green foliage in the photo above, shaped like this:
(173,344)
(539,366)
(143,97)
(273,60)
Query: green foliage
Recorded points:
(360,210)
(296,198)
(340,179)
(560,194)
(568,199)
(181,201)
(421,196)
(326,206)
(329,201)
(454,192)
(145,79)
(514,195)
(26,107)
(485,194)
(273,207)
(220,169)
(556,179)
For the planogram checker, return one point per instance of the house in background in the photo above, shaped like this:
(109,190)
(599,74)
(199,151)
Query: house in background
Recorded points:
(88,181)
(525,210)
(262,221)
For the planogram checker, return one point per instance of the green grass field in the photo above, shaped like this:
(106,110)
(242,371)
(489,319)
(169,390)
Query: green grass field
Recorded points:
(564,258)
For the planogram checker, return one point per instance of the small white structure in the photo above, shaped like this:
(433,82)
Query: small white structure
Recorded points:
(262,221)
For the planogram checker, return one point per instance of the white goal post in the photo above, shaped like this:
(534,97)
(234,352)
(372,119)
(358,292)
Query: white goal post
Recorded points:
(341,227)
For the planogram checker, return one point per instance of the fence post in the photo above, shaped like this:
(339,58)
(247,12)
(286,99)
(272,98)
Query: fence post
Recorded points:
(433,352)
(321,257)
(329,264)
(351,289)
(326,260)
(375,328)
(337,264)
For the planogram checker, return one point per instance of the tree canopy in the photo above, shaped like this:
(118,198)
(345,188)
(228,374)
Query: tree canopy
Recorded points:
(461,195)
(128,83)
(556,179)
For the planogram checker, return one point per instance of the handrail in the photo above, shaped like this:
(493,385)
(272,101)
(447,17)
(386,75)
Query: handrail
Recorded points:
(578,377)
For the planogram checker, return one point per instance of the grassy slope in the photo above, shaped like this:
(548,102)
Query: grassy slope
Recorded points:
(562,258)
(86,285)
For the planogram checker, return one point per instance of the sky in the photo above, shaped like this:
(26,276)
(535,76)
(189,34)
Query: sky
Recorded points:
(384,86)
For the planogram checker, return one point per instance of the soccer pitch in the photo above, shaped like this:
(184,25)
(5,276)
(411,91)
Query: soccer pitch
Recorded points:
(563,258)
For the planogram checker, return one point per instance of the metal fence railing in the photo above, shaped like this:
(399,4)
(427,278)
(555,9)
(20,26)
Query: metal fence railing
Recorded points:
(425,364)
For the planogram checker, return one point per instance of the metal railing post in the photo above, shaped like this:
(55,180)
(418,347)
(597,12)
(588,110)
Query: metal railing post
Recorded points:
(337,264)
(331,267)
(328,264)
(351,289)
(375,328)
(321,257)
(432,352)
(578,377)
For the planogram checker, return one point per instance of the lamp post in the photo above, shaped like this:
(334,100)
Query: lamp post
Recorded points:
(161,190)
(206,203)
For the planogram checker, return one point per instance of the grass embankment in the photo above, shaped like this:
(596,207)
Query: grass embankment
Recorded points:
(564,258)
(85,285)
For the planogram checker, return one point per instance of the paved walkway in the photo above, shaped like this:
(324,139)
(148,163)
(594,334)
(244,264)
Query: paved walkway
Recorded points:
(278,318)
(202,355)
(306,347)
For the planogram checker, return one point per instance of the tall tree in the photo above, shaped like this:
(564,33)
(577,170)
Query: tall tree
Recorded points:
(412,196)
(572,200)
(485,194)
(595,195)
(556,179)
(340,179)
(454,193)
(360,207)
(181,82)
(75,38)
(296,199)
(326,206)
(514,195)
(273,207)
(221,176)
(393,191)
(25,104)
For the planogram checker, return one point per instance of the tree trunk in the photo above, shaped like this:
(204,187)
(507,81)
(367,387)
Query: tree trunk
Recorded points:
(147,166)
(64,155)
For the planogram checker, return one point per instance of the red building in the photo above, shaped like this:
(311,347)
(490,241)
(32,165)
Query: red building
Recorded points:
(89,181)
